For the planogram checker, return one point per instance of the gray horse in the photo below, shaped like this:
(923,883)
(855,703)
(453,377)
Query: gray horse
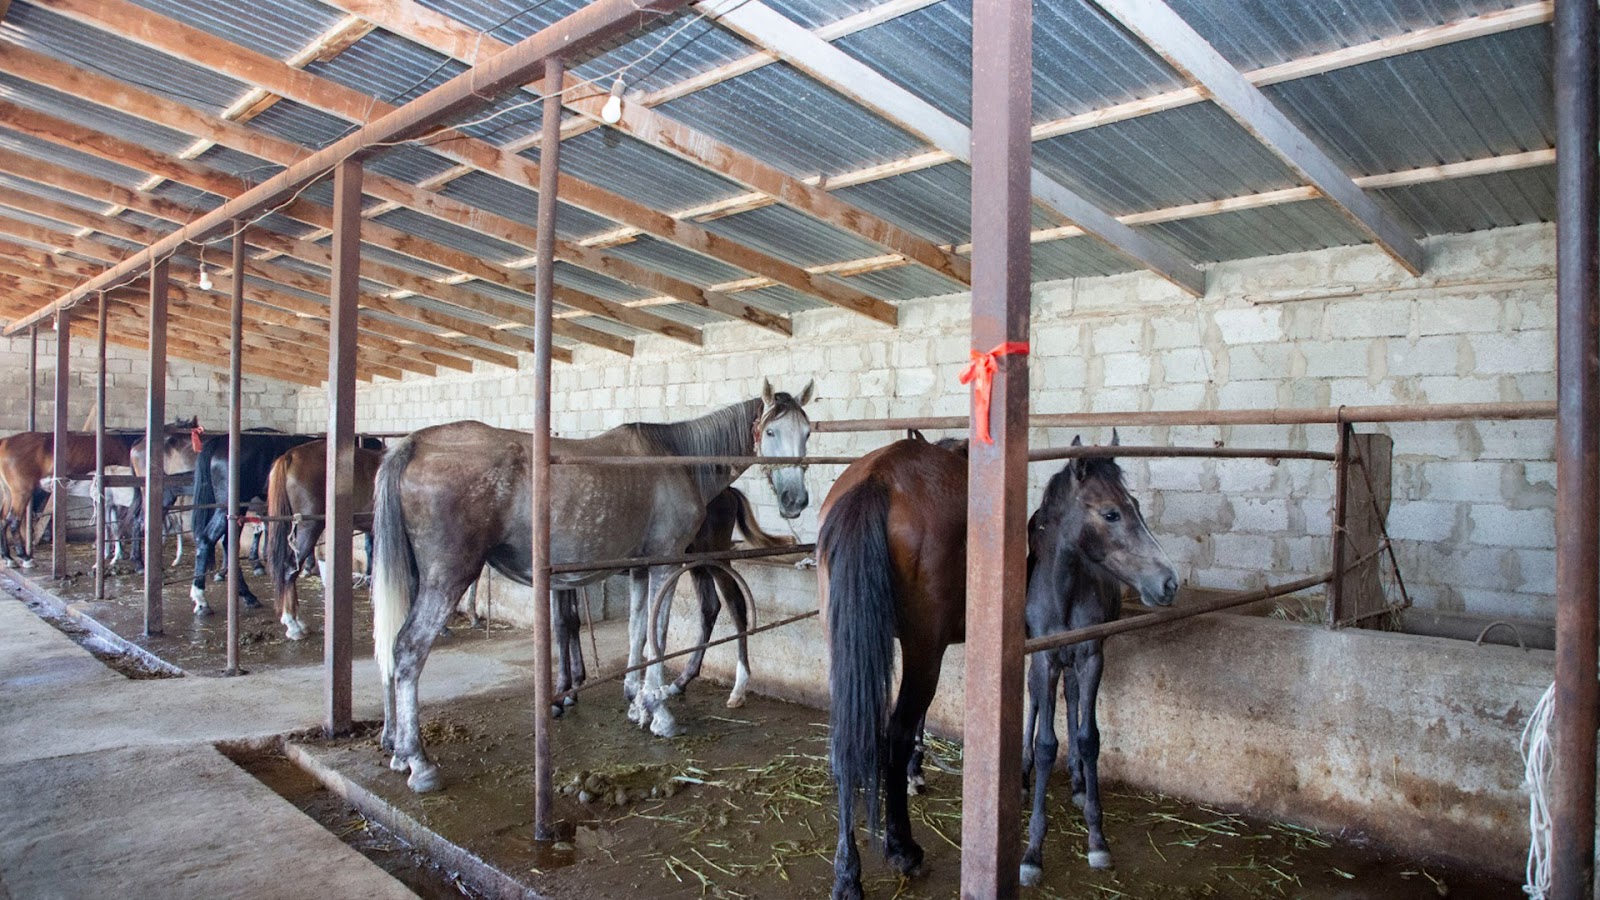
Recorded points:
(453,497)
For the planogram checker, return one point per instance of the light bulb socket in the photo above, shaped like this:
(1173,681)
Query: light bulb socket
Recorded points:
(611,113)
(205,278)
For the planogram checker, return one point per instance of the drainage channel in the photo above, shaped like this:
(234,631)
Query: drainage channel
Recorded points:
(117,653)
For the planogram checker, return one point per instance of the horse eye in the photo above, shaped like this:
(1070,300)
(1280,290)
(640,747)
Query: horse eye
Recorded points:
(1112,515)
(771,433)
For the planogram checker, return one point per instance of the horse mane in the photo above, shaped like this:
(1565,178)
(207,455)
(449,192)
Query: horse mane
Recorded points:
(723,432)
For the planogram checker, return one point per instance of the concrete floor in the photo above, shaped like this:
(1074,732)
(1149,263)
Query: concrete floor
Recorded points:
(113,787)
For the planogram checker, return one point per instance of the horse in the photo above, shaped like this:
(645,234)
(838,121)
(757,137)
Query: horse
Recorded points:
(257,452)
(891,556)
(728,509)
(178,454)
(122,505)
(26,460)
(296,487)
(453,497)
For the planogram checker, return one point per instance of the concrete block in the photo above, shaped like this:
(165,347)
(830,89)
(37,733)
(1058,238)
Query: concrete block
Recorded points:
(1358,392)
(1241,476)
(1538,568)
(1265,362)
(1248,395)
(1334,359)
(1117,399)
(1177,474)
(1436,355)
(1533,440)
(1124,369)
(1422,520)
(1494,525)
(1124,336)
(1538,386)
(1251,325)
(1192,512)
(1458,389)
(1369,318)
(1519,353)
(1185,364)
(1261,515)
(1475,482)
(1453,315)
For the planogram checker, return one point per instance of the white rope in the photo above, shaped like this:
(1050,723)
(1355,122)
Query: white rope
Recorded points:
(1537,763)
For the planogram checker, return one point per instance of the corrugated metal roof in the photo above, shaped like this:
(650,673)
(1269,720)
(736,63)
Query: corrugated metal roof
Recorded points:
(1461,101)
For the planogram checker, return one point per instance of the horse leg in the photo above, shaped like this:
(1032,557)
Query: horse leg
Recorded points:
(706,588)
(916,694)
(205,546)
(916,779)
(652,696)
(741,621)
(573,642)
(411,647)
(1086,738)
(846,860)
(638,611)
(1043,671)
(562,604)
(256,565)
(362,579)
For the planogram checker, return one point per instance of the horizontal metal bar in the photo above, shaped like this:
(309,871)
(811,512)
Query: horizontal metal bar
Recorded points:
(1150,620)
(633,461)
(1176,453)
(1281,416)
(716,556)
(613,676)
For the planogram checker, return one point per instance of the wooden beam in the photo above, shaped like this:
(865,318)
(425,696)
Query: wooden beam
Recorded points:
(184,42)
(127,153)
(442,34)
(62,178)
(759,24)
(1165,32)
(590,26)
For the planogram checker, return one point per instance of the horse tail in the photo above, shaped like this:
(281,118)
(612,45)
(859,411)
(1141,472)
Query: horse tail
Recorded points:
(854,546)
(394,567)
(204,495)
(280,558)
(745,518)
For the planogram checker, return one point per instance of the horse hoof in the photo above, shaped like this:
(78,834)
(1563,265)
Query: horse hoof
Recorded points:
(258,569)
(220,576)
(847,890)
(1099,859)
(27,564)
(397,764)
(916,785)
(663,725)
(1079,799)
(424,778)
(569,701)
(1030,875)
(735,701)
(906,860)
(251,603)
(202,609)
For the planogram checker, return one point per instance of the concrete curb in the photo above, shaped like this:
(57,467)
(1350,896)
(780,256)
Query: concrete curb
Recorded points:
(88,623)
(478,872)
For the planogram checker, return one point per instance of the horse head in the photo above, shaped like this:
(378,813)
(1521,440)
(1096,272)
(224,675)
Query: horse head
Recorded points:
(1104,525)
(782,429)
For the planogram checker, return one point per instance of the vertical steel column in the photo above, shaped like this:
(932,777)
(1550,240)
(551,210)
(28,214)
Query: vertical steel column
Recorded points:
(155,436)
(235,336)
(544,287)
(338,597)
(33,425)
(1336,603)
(1572,785)
(1002,94)
(58,468)
(100,455)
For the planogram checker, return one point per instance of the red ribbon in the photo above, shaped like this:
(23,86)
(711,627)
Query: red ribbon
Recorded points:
(981,370)
(194,437)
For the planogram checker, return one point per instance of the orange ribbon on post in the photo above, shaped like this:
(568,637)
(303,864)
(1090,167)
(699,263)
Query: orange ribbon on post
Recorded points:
(980,373)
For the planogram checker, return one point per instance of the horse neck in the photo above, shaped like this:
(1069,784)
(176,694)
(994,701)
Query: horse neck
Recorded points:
(725,432)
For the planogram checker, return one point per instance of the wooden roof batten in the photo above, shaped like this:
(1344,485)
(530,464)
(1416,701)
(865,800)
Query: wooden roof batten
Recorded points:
(761,25)
(450,37)
(585,28)
(1165,32)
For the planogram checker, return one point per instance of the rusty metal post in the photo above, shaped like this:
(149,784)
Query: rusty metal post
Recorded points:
(1341,487)
(544,289)
(235,356)
(100,454)
(1572,785)
(58,468)
(33,425)
(338,594)
(1002,94)
(155,435)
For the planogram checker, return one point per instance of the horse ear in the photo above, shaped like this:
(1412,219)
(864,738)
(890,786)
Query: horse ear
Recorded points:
(766,392)
(805,394)
(1115,440)
(1077,440)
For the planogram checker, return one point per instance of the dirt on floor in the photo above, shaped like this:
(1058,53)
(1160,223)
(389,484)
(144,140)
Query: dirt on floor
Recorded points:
(198,644)
(742,805)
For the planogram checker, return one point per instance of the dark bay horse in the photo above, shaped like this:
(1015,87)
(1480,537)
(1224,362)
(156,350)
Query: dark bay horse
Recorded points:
(891,557)
(728,509)
(258,451)
(26,460)
(296,486)
(454,497)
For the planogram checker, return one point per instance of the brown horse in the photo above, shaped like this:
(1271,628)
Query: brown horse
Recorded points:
(26,460)
(891,558)
(725,511)
(296,487)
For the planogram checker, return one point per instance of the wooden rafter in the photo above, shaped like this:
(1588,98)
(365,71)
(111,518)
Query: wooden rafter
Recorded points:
(1165,32)
(181,41)
(759,24)
(443,34)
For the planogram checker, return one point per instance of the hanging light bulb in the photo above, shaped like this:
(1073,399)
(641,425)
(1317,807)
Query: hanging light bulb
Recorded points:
(611,113)
(205,277)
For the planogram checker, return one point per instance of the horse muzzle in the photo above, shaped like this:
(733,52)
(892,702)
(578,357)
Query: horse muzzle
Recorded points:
(1159,588)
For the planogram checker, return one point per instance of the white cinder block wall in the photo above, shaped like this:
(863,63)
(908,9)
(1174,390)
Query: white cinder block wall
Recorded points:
(192,390)
(1473,500)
